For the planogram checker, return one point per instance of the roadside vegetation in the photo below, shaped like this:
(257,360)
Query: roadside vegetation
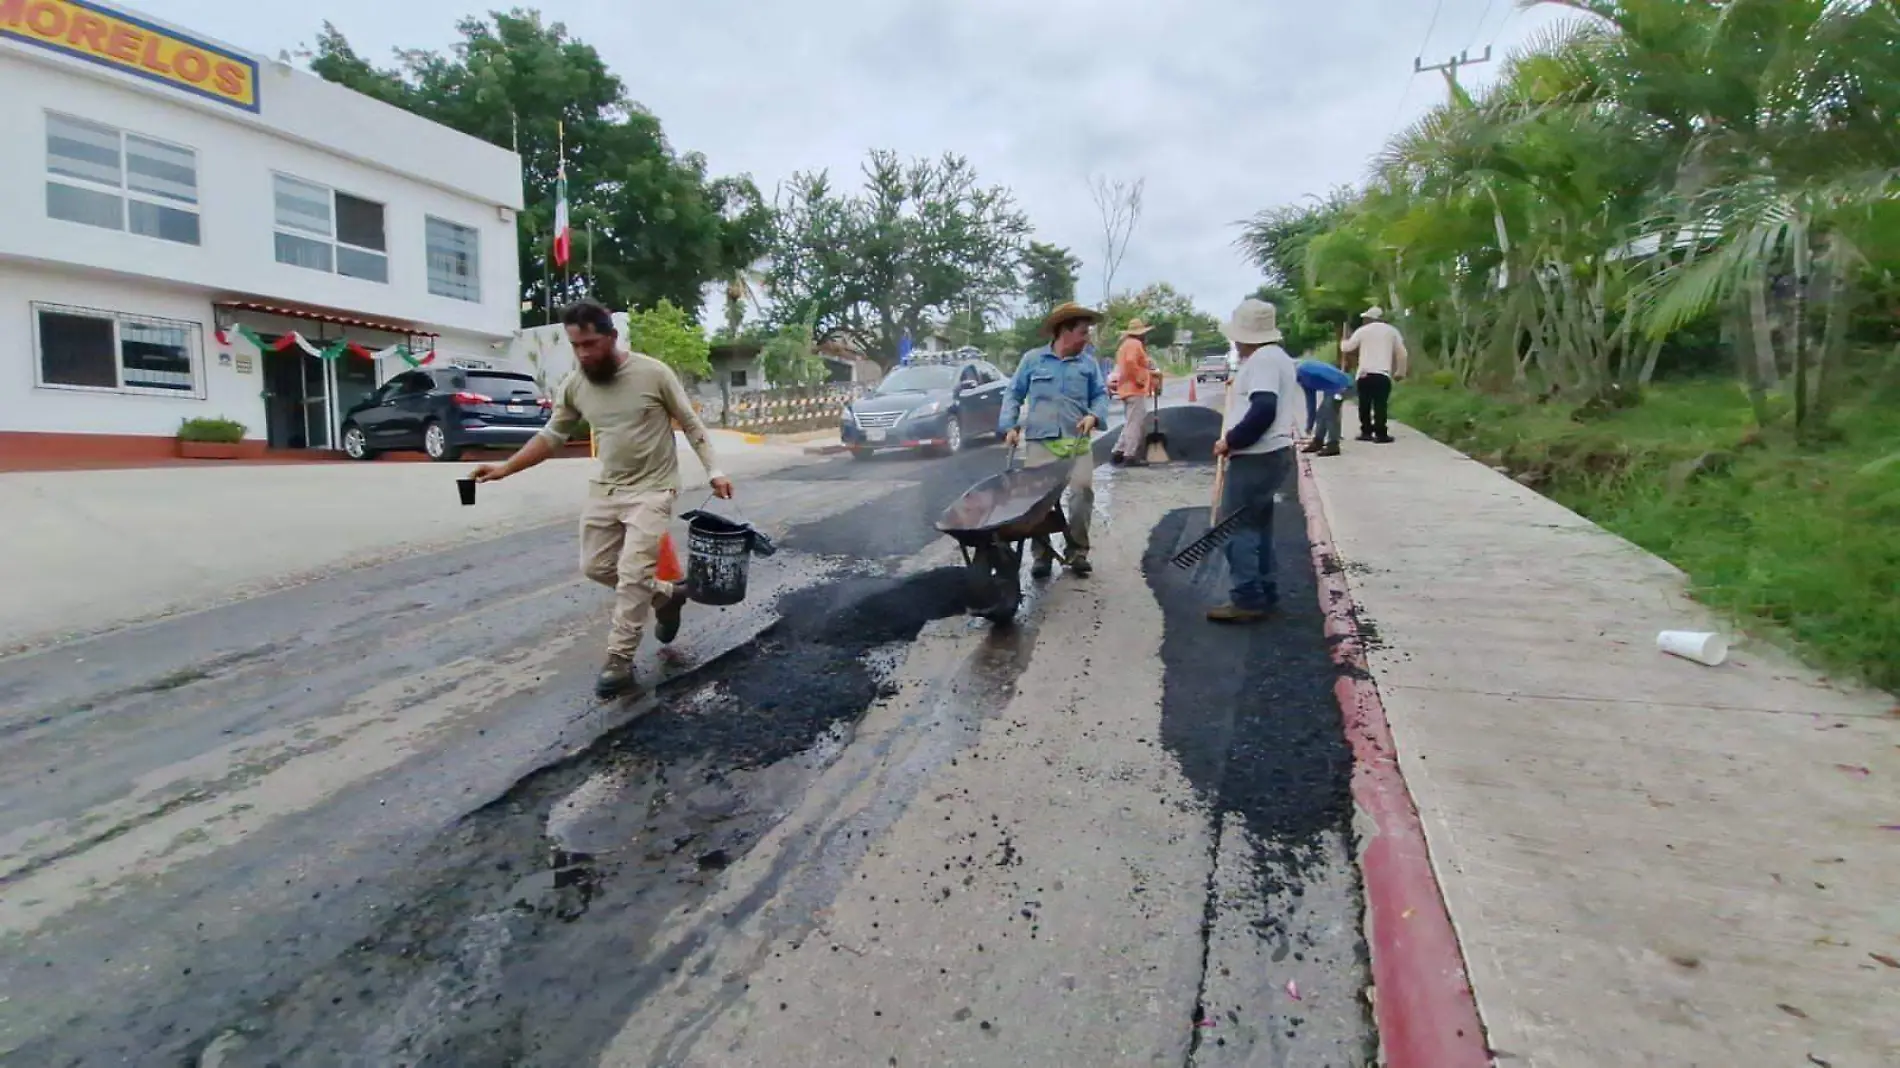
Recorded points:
(1652,271)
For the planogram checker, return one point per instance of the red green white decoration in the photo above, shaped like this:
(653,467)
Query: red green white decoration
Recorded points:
(334,350)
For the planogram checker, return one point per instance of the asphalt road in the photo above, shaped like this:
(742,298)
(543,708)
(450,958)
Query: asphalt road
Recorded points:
(379,820)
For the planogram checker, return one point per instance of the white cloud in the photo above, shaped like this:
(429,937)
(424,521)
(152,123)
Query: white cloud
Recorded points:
(1224,106)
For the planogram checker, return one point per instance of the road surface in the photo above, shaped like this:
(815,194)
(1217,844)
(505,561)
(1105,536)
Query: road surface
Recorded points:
(379,820)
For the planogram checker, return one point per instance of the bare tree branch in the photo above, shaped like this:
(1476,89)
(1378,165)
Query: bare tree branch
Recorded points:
(1119,202)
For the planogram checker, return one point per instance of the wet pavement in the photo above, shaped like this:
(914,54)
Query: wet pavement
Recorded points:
(378,820)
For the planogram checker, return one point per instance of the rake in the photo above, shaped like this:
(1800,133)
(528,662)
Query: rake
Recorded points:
(1218,532)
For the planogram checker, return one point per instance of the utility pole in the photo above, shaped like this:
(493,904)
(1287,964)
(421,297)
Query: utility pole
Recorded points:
(1450,66)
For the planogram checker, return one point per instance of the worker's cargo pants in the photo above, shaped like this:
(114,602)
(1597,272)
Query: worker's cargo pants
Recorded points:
(1081,504)
(620,548)
(1135,429)
(1252,482)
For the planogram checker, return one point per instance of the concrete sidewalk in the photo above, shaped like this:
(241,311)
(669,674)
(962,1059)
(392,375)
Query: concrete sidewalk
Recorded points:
(1648,862)
(85,550)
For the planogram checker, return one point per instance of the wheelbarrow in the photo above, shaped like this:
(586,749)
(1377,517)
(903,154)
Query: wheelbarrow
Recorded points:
(992,521)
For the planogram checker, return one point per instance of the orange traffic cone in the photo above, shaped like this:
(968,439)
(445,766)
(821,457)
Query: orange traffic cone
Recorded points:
(1192,399)
(669,569)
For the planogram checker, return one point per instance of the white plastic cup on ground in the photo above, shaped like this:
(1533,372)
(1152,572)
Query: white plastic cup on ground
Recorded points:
(1706,649)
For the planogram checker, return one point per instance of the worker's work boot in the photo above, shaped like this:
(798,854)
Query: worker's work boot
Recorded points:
(1079,565)
(1330,450)
(1043,565)
(616,679)
(666,616)
(1116,458)
(1233,613)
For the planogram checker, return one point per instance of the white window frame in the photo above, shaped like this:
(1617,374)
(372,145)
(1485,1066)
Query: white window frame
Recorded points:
(124,190)
(330,238)
(475,261)
(194,342)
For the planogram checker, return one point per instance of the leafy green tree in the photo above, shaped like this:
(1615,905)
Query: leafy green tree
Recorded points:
(668,334)
(661,226)
(922,240)
(1049,275)
(1164,307)
(789,358)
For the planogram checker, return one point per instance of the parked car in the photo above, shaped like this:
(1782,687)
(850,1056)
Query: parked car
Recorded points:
(1214,369)
(935,406)
(445,410)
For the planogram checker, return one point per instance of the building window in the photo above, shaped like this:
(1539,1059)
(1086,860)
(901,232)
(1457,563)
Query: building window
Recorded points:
(105,177)
(738,378)
(80,348)
(454,254)
(324,230)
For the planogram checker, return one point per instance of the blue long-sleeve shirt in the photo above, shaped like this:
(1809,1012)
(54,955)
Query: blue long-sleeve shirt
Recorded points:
(1050,395)
(1318,378)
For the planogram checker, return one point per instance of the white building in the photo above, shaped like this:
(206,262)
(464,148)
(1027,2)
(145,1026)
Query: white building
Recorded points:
(162,189)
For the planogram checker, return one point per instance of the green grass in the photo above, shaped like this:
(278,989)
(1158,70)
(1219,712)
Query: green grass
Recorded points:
(1800,544)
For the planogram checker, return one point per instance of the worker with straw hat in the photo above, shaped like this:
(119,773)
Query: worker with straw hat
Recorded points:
(1135,386)
(1057,399)
(1257,443)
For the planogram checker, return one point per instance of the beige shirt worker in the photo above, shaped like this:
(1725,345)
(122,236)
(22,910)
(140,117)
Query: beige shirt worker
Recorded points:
(1380,347)
(632,418)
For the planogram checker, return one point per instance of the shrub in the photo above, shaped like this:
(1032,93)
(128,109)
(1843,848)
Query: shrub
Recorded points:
(219,431)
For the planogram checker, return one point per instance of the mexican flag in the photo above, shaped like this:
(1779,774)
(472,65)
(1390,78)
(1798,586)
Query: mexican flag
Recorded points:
(563,235)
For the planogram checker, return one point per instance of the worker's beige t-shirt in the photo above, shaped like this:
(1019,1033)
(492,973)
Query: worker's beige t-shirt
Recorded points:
(632,418)
(1380,347)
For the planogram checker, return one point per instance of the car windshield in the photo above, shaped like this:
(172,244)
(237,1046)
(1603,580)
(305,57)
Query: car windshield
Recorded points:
(501,386)
(918,380)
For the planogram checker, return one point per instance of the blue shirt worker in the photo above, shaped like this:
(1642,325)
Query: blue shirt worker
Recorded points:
(1326,387)
(1057,400)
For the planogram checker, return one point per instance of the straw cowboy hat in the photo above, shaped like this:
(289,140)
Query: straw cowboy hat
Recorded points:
(1137,327)
(1255,322)
(1067,312)
(1373,313)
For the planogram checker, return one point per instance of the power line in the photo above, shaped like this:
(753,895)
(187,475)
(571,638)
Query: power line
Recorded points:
(1482,19)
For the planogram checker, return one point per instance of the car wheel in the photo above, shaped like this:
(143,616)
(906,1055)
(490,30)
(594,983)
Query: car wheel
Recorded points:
(953,436)
(435,442)
(863,454)
(356,444)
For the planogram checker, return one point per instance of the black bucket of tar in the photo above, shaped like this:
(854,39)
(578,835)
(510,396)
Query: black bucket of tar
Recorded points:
(718,552)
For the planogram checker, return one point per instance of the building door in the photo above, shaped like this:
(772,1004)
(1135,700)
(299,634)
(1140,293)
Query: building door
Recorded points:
(284,400)
(316,401)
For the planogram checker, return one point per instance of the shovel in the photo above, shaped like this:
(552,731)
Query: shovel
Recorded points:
(1154,447)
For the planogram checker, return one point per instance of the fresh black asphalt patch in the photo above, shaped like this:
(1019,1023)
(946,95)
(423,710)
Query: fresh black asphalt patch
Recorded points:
(511,947)
(1250,711)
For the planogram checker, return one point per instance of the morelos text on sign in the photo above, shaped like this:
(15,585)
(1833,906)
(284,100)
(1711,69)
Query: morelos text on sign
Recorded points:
(120,41)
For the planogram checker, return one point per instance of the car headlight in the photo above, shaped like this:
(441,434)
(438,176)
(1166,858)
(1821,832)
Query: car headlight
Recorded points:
(928,409)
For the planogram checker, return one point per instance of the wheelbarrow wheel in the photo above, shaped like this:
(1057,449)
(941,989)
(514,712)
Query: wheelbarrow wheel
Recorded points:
(996,583)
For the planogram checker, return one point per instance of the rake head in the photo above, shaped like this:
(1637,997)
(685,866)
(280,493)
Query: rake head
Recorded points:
(1203,547)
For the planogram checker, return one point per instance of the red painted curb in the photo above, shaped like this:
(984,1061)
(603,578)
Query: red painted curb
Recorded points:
(1422,1001)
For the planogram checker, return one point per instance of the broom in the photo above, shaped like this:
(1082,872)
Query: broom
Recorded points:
(1218,532)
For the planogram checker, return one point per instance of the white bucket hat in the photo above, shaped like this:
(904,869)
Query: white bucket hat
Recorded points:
(1374,312)
(1255,322)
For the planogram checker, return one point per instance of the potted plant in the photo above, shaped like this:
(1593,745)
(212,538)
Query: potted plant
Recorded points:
(211,439)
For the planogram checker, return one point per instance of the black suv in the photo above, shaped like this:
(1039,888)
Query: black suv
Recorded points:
(445,410)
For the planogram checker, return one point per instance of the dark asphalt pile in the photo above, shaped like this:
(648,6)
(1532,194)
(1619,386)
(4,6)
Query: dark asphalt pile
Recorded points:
(1250,711)
(511,948)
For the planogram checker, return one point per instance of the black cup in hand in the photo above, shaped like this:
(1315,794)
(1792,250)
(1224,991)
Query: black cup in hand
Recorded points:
(466,487)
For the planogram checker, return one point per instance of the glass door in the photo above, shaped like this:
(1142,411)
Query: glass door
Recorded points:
(316,401)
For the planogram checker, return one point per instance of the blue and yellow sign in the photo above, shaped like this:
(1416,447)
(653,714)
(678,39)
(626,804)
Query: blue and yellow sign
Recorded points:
(126,43)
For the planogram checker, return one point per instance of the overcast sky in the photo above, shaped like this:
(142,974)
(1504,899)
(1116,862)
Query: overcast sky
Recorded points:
(1223,106)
